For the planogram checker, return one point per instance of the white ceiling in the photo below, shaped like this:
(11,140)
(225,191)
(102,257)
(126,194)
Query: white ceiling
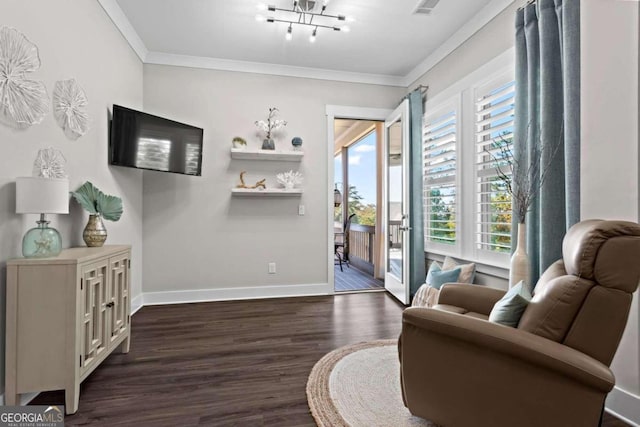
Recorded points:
(386,39)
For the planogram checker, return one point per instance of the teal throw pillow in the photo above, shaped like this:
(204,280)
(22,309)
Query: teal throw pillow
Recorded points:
(436,277)
(510,308)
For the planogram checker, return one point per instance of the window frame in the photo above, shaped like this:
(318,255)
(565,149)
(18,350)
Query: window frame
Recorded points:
(495,81)
(465,90)
(434,109)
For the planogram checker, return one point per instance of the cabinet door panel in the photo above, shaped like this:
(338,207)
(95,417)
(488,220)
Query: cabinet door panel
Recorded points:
(94,312)
(118,295)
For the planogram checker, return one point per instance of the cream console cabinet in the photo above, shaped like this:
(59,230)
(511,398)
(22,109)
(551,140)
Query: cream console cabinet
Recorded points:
(65,315)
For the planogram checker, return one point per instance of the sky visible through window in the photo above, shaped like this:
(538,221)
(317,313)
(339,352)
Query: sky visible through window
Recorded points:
(362,168)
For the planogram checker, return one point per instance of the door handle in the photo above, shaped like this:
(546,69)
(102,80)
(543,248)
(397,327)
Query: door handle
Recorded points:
(110,304)
(404,228)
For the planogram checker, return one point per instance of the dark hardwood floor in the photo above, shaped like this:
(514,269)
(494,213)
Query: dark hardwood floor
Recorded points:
(237,363)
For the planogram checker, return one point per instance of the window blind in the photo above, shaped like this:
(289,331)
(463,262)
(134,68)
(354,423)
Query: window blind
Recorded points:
(440,164)
(494,107)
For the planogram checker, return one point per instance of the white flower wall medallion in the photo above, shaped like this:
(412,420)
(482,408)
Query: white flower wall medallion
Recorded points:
(23,102)
(50,163)
(70,108)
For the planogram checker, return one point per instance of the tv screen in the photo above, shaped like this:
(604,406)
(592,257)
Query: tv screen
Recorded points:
(143,141)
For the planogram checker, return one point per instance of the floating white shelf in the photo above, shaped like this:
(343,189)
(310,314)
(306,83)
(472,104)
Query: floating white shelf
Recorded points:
(278,155)
(269,192)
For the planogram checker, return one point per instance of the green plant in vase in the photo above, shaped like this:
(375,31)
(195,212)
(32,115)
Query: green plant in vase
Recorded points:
(100,206)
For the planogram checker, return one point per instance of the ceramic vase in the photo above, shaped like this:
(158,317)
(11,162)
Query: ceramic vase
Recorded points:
(519,267)
(297,143)
(94,233)
(268,144)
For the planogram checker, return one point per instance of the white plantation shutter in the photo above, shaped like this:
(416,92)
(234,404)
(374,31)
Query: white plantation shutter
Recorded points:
(440,169)
(466,206)
(494,110)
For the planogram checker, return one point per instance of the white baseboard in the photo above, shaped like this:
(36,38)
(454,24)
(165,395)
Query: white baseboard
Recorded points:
(24,398)
(227,294)
(624,405)
(136,304)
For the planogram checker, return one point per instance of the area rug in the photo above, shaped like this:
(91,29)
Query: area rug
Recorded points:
(359,386)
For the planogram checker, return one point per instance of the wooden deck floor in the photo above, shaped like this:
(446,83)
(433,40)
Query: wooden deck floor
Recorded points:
(352,279)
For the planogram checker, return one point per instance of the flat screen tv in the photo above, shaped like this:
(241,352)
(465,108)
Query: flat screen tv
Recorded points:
(143,141)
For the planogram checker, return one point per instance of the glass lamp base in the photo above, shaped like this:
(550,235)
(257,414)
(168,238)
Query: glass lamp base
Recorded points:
(41,242)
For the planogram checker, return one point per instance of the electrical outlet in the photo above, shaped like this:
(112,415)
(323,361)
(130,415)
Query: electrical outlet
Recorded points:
(300,209)
(272,268)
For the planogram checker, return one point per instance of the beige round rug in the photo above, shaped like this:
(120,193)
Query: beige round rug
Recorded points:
(359,385)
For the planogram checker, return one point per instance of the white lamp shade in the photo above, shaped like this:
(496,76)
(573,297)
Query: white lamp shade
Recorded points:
(36,195)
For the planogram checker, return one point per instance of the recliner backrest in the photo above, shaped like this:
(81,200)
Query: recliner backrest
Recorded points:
(583,300)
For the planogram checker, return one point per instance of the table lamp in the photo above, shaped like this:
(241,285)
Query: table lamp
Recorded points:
(36,195)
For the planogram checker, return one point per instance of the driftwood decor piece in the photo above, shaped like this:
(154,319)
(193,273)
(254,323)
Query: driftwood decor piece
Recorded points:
(23,102)
(70,108)
(260,184)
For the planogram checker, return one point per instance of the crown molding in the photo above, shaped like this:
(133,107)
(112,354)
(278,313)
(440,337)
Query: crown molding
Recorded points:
(159,58)
(113,10)
(474,25)
(120,20)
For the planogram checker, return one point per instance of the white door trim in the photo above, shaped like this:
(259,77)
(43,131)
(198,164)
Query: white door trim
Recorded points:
(341,112)
(397,286)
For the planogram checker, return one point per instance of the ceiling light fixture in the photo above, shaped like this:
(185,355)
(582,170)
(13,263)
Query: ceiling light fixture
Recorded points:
(310,13)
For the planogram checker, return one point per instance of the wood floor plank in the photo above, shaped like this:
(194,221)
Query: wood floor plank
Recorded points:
(236,363)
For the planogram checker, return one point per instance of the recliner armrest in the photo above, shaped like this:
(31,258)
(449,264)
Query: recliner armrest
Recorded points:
(522,345)
(480,299)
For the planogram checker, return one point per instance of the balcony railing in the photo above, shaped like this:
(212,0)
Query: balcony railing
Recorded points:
(362,243)
(361,238)
(395,234)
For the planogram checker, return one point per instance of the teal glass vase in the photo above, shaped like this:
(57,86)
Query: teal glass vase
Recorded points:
(42,241)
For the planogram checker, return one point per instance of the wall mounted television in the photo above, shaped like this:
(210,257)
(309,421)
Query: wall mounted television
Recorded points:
(143,141)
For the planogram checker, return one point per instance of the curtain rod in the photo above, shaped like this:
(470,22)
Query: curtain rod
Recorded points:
(423,88)
(423,91)
(527,4)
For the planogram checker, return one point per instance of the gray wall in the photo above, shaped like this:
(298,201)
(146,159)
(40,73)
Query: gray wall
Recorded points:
(196,236)
(609,159)
(76,39)
(492,40)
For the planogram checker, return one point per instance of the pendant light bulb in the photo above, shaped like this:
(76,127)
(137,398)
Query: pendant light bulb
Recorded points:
(312,38)
(289,34)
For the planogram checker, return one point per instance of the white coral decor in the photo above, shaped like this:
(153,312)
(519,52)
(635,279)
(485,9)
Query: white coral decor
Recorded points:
(289,179)
(50,163)
(23,101)
(70,108)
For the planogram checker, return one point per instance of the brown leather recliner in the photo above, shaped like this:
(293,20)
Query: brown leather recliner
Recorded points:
(457,369)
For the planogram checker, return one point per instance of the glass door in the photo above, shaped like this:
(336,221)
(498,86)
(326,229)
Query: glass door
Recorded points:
(396,202)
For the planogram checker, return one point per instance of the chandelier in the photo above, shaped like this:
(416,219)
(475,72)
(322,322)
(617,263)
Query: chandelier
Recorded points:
(306,13)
